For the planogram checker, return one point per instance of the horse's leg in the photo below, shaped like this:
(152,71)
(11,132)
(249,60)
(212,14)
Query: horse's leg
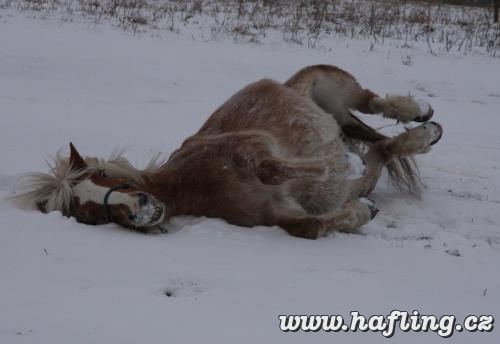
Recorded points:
(336,91)
(274,171)
(402,108)
(414,141)
(348,220)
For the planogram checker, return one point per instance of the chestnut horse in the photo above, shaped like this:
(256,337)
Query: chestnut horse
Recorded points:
(274,154)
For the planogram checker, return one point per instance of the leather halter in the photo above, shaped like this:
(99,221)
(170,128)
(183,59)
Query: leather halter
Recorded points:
(106,198)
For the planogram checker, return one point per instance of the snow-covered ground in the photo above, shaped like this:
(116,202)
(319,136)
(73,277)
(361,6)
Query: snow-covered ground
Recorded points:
(64,282)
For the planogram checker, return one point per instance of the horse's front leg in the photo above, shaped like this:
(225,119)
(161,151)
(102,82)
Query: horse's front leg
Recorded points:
(348,220)
(403,108)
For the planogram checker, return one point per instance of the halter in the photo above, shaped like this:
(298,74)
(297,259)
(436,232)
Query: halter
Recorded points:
(106,198)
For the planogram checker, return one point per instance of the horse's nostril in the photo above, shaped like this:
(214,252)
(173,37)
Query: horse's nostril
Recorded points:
(131,217)
(143,199)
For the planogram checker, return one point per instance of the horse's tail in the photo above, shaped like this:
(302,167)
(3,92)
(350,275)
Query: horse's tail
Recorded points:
(403,171)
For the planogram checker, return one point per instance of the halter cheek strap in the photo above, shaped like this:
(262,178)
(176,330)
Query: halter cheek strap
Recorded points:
(106,198)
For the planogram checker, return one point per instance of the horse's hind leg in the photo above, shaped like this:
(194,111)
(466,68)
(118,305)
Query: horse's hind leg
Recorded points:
(336,92)
(348,220)
(414,141)
(274,171)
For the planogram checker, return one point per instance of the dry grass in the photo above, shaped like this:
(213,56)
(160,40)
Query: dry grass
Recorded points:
(443,28)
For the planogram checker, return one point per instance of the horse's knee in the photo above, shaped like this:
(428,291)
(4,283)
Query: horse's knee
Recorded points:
(271,172)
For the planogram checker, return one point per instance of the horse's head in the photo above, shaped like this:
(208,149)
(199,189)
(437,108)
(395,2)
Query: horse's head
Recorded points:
(98,198)
(93,196)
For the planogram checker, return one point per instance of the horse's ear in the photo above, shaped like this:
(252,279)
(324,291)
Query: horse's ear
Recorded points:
(75,159)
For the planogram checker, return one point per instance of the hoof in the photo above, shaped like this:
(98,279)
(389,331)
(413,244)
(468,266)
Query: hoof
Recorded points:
(371,205)
(419,140)
(433,132)
(438,129)
(425,110)
(373,211)
(426,117)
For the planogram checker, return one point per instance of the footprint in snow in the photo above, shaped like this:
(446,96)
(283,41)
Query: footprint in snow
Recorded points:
(182,288)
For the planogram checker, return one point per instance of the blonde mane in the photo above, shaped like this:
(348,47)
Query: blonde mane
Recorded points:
(53,190)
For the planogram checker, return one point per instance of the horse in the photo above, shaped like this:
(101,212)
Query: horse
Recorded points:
(292,155)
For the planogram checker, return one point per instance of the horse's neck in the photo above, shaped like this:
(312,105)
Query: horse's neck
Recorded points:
(156,182)
(161,184)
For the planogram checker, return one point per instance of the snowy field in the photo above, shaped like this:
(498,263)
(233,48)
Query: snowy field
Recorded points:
(102,88)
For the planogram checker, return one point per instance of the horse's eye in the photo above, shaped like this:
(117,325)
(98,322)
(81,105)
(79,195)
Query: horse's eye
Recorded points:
(102,173)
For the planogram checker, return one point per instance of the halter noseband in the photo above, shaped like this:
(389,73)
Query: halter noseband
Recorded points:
(106,198)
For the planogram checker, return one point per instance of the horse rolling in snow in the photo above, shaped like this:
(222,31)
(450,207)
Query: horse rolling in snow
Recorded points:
(274,154)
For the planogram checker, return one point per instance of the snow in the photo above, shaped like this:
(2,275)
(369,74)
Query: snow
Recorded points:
(102,88)
(358,166)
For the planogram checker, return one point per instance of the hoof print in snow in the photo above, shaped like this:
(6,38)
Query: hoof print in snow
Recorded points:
(493,241)
(182,289)
(22,333)
(425,237)
(168,293)
(454,252)
(392,224)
